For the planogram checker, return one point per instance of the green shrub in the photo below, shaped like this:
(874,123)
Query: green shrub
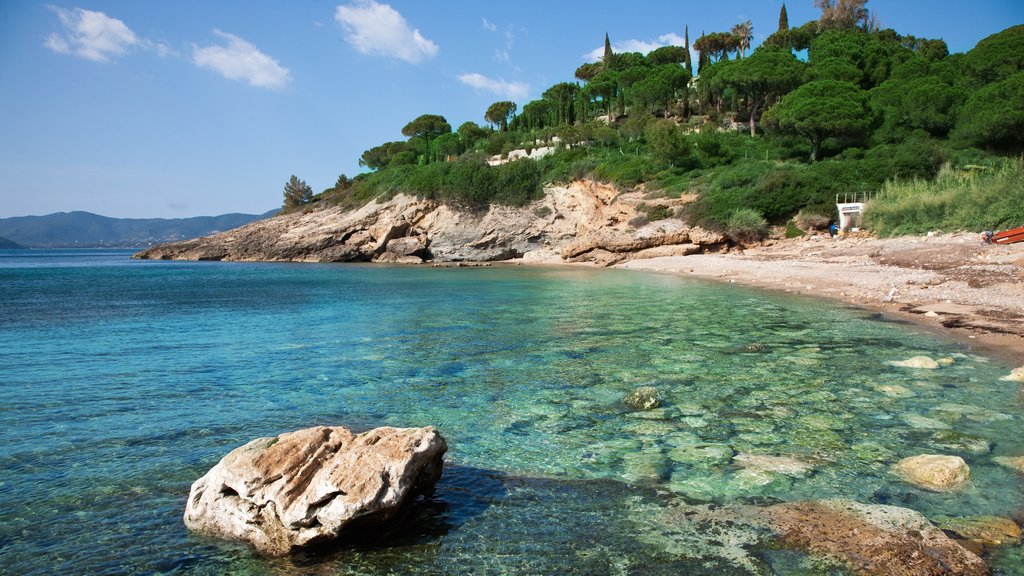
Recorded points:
(793,231)
(746,226)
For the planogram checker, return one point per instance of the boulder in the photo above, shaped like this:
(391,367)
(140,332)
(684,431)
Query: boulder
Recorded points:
(871,538)
(934,472)
(303,488)
(408,246)
(643,398)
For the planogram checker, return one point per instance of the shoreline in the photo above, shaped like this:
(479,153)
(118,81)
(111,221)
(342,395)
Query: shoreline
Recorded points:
(949,285)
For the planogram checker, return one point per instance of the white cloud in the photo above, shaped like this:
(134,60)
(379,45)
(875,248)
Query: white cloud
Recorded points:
(90,35)
(379,29)
(510,90)
(240,60)
(490,26)
(642,46)
(501,55)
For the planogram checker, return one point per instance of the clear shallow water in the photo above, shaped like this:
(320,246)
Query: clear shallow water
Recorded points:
(121,382)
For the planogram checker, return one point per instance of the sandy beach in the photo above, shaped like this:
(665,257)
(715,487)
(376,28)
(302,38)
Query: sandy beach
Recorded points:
(950,283)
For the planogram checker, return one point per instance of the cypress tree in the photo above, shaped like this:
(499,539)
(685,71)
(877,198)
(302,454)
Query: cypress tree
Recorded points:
(607,51)
(686,44)
(783,18)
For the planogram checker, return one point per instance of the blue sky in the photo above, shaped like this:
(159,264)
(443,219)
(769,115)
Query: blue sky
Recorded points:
(138,108)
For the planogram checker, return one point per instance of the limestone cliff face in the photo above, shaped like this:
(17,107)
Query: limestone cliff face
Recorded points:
(581,222)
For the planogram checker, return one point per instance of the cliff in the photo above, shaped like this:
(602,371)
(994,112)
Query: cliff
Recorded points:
(581,222)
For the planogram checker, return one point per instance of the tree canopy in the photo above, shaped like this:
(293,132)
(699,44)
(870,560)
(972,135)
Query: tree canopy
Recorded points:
(296,193)
(822,109)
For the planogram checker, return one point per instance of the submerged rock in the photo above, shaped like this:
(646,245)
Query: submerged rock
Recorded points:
(773,464)
(934,472)
(871,539)
(643,398)
(916,362)
(983,530)
(1016,463)
(1016,375)
(961,442)
(302,488)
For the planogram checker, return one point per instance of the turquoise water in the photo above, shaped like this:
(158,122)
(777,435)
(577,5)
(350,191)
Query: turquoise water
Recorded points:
(123,381)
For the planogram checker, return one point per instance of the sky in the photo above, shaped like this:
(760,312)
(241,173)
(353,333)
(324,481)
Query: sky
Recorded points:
(148,109)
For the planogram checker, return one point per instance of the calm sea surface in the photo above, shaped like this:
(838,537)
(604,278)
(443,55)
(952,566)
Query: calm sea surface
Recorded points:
(122,381)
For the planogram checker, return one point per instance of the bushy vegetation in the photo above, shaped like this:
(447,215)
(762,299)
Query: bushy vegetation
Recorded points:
(976,199)
(759,136)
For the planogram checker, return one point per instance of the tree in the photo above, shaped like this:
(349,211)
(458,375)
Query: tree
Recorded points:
(783,18)
(822,109)
(500,113)
(380,157)
(686,45)
(586,72)
(470,133)
(667,55)
(669,146)
(660,87)
(996,57)
(993,117)
(607,59)
(426,127)
(843,14)
(743,32)
(296,193)
(448,146)
(769,73)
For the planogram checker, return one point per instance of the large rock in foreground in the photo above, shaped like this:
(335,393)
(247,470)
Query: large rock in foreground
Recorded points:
(935,472)
(302,488)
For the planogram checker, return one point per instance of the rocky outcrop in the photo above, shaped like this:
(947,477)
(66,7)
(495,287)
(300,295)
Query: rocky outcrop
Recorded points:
(934,472)
(304,488)
(580,222)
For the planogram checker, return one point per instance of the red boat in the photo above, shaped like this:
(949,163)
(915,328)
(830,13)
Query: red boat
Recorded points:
(1009,236)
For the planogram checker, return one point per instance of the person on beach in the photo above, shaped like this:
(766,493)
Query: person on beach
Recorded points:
(833,229)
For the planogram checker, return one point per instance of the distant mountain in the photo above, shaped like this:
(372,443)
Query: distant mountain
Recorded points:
(6,244)
(87,230)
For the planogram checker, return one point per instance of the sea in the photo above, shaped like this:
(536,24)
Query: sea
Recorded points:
(123,381)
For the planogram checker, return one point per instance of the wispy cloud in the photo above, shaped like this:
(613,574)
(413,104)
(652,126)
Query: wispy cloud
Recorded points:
(378,29)
(642,46)
(489,26)
(240,60)
(95,36)
(90,35)
(498,86)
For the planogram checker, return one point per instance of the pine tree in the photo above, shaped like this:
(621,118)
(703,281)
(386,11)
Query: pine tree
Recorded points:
(783,18)
(607,51)
(296,193)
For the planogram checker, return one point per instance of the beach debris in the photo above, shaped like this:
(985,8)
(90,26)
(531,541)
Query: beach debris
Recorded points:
(934,472)
(301,489)
(643,398)
(916,362)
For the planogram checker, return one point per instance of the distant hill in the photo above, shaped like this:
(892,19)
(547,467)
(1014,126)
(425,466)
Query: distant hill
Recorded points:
(6,244)
(87,230)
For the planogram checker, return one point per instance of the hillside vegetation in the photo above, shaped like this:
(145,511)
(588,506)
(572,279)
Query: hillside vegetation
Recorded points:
(832,106)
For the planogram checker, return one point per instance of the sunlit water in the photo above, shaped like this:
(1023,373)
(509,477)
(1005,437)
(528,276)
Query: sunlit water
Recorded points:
(121,382)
